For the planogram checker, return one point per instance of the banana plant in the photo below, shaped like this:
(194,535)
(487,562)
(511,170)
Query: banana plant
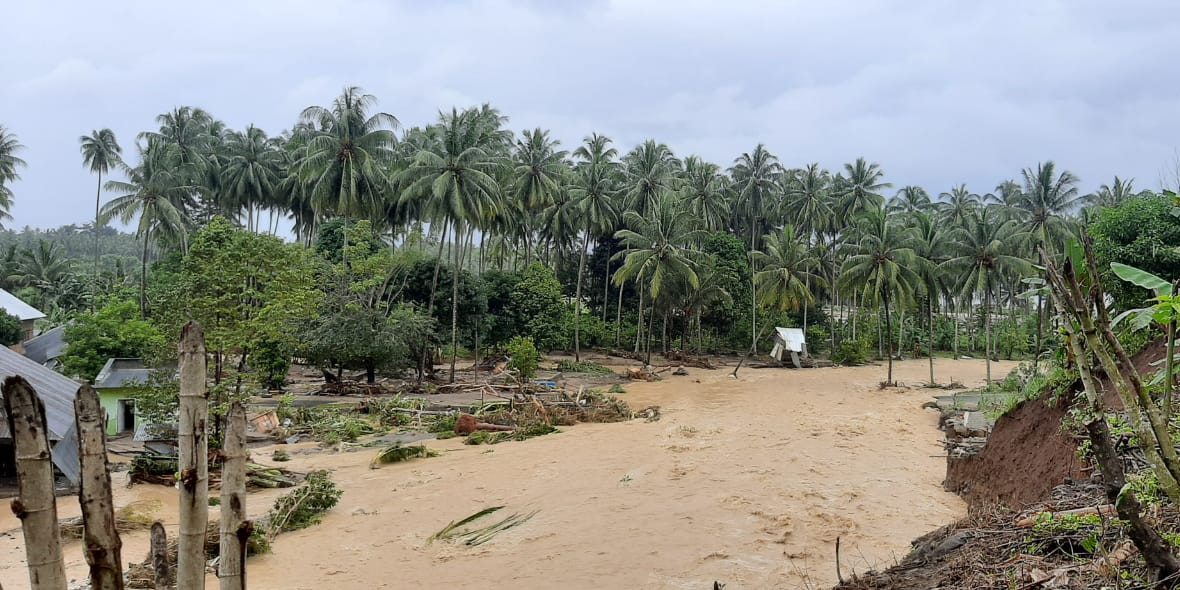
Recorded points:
(1164,310)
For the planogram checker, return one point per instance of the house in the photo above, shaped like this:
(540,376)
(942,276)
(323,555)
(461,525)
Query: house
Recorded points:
(27,314)
(46,348)
(116,384)
(57,392)
(789,340)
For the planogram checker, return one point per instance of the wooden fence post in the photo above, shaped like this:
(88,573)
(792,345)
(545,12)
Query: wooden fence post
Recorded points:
(35,504)
(101,542)
(235,529)
(194,460)
(159,553)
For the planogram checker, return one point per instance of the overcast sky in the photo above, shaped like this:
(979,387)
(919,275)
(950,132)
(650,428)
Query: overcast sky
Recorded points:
(938,92)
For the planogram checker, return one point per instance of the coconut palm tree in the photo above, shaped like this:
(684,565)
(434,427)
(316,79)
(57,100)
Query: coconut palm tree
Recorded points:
(909,200)
(1049,198)
(808,202)
(595,186)
(862,186)
(931,243)
(346,154)
(982,260)
(758,182)
(100,153)
(787,271)
(881,268)
(45,267)
(649,170)
(158,193)
(538,175)
(704,192)
(958,204)
(659,252)
(9,164)
(453,182)
(252,174)
(1111,195)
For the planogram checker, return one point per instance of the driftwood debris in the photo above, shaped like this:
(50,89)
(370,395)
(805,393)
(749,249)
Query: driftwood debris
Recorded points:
(100,534)
(34,505)
(194,459)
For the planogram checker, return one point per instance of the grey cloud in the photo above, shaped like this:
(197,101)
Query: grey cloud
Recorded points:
(937,92)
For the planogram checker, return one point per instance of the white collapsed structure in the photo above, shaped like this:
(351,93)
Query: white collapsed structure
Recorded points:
(789,340)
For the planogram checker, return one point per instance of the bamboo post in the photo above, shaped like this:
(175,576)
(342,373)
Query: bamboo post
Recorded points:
(101,542)
(159,553)
(194,460)
(235,529)
(34,505)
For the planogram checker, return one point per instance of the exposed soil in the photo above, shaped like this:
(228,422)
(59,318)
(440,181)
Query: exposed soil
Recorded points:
(1027,455)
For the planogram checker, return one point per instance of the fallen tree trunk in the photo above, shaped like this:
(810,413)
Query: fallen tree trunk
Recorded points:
(1103,510)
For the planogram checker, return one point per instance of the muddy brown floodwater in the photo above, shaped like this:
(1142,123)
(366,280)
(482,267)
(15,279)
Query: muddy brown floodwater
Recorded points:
(745,482)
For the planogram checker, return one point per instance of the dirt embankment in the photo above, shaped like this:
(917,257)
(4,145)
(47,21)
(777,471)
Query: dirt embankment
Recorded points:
(1028,452)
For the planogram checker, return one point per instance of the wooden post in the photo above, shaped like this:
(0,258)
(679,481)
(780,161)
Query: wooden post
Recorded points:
(235,529)
(159,553)
(34,505)
(194,460)
(101,542)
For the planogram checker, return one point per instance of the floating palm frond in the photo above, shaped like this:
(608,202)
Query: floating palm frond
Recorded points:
(478,536)
(398,452)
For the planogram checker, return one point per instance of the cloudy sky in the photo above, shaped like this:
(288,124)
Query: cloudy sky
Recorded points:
(939,92)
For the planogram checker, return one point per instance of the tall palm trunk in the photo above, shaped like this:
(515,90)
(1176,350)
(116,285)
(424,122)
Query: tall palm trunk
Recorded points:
(442,240)
(143,277)
(97,202)
(606,284)
(753,288)
(578,297)
(987,337)
(619,318)
(888,335)
(455,303)
(930,326)
(639,324)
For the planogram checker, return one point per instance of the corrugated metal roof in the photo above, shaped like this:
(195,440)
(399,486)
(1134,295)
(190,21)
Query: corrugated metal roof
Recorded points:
(57,392)
(23,311)
(46,347)
(122,373)
(55,389)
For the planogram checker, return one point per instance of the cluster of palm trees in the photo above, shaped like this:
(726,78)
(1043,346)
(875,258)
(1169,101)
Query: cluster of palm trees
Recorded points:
(815,238)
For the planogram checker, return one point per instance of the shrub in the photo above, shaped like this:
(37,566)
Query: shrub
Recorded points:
(523,357)
(584,367)
(10,330)
(851,352)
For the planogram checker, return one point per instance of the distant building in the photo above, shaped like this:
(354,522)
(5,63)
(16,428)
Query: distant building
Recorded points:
(57,392)
(27,314)
(116,383)
(46,348)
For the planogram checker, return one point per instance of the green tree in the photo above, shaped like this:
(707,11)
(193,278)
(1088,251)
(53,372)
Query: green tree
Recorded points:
(881,267)
(100,153)
(982,259)
(537,308)
(246,290)
(757,180)
(157,192)
(593,195)
(345,157)
(114,330)
(10,329)
(9,164)
(1141,232)
(785,272)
